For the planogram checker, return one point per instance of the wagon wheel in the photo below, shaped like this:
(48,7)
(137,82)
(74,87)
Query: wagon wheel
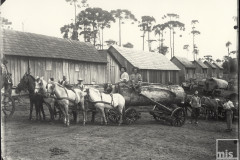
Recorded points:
(157,116)
(8,107)
(113,116)
(178,117)
(131,115)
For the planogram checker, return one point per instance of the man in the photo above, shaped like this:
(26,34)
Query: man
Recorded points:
(64,81)
(80,85)
(196,104)
(124,77)
(4,70)
(136,80)
(228,106)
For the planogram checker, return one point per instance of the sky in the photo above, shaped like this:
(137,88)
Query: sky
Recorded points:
(215,18)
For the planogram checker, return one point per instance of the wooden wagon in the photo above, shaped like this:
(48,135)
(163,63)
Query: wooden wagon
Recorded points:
(164,99)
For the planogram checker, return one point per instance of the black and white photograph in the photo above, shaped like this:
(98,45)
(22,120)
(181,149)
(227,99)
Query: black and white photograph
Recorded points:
(119,79)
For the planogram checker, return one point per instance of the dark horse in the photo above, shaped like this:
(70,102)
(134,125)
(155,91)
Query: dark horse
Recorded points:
(28,83)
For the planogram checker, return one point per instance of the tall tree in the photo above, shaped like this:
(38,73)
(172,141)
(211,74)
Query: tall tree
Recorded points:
(76,4)
(172,25)
(121,15)
(146,26)
(105,22)
(159,30)
(227,45)
(194,32)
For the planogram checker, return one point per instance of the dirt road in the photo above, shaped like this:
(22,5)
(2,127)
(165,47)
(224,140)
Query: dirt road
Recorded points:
(147,139)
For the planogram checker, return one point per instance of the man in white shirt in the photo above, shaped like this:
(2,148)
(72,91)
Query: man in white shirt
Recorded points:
(228,106)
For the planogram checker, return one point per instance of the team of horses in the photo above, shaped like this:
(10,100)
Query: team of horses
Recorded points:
(58,97)
(73,100)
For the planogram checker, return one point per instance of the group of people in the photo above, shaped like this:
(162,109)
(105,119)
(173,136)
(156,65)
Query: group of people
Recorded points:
(134,80)
(196,104)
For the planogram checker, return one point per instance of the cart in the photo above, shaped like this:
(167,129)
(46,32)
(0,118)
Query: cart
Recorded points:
(164,99)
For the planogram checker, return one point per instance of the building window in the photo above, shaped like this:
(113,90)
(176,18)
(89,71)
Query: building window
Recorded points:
(76,67)
(48,65)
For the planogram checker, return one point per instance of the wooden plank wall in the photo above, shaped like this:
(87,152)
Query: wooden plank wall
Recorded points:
(90,72)
(160,76)
(113,70)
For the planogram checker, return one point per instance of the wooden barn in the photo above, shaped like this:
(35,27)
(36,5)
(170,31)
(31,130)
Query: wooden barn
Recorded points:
(52,57)
(187,68)
(201,69)
(154,67)
(219,70)
(211,69)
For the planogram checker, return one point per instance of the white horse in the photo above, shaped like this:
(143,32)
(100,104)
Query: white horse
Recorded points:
(108,101)
(68,98)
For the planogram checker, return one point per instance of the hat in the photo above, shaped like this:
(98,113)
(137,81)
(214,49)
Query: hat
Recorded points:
(196,92)
(80,79)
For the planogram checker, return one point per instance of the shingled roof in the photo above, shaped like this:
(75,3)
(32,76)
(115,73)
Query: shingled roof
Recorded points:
(185,62)
(201,64)
(210,64)
(218,66)
(146,60)
(34,45)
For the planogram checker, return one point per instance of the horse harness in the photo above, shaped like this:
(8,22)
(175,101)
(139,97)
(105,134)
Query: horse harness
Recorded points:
(94,102)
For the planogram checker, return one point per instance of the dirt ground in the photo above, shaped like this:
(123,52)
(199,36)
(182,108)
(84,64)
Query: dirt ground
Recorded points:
(146,139)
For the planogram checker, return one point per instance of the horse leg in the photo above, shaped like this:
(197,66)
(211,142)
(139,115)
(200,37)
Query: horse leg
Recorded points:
(66,114)
(84,113)
(37,111)
(120,110)
(42,110)
(104,116)
(31,108)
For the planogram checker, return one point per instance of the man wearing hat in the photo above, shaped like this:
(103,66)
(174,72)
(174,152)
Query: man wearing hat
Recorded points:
(136,80)
(4,70)
(80,85)
(228,106)
(196,104)
(64,81)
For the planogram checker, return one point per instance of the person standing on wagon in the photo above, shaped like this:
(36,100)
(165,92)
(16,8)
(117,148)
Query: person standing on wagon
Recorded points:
(196,104)
(136,80)
(228,106)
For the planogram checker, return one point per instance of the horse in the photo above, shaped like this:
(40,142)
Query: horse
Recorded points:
(104,101)
(68,98)
(41,88)
(211,106)
(28,83)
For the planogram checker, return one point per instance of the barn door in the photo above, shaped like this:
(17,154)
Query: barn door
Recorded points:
(112,73)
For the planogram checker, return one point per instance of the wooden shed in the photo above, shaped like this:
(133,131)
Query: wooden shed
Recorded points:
(187,68)
(154,67)
(201,70)
(219,70)
(52,57)
(211,69)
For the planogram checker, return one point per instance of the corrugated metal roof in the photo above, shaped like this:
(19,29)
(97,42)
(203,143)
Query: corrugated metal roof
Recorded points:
(210,64)
(146,60)
(201,64)
(218,66)
(35,45)
(185,62)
